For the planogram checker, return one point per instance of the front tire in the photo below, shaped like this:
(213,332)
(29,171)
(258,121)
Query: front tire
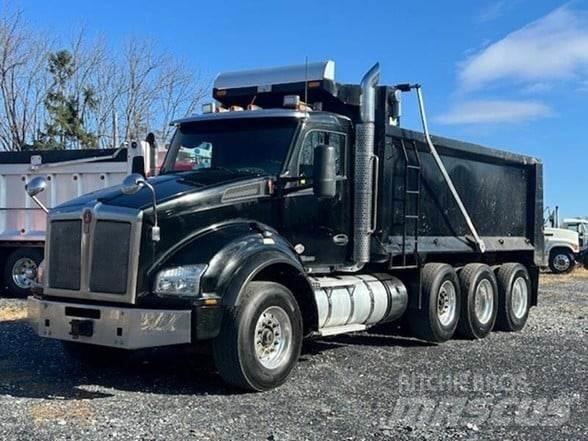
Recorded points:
(20,270)
(437,319)
(514,297)
(561,261)
(260,339)
(479,301)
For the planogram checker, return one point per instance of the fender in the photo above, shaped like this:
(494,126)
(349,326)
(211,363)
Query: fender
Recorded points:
(235,251)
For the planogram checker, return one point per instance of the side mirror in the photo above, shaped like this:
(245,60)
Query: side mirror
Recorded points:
(132,183)
(34,187)
(324,172)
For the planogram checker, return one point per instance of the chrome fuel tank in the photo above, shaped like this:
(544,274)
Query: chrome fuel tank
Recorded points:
(354,302)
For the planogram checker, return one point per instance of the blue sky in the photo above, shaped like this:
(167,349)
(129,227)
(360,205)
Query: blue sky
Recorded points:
(511,74)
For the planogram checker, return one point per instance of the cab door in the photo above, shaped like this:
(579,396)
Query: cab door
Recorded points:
(319,228)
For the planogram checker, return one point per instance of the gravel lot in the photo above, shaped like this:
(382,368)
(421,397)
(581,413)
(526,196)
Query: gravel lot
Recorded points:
(527,385)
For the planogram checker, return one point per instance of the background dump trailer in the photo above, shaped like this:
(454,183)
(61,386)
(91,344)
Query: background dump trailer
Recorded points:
(69,173)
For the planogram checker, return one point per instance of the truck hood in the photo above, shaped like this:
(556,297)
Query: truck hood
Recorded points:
(167,187)
(561,234)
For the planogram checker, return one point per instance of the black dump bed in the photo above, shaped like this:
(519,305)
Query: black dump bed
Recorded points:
(502,192)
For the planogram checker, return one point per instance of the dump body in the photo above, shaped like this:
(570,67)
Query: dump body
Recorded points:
(502,192)
(20,218)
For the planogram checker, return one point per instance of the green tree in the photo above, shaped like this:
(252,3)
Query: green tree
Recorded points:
(65,128)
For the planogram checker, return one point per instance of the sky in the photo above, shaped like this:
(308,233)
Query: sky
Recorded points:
(511,74)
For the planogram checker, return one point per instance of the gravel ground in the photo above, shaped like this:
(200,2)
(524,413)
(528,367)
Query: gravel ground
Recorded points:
(527,385)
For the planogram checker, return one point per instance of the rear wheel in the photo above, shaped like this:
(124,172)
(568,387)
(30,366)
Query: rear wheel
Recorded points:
(20,270)
(561,261)
(260,340)
(437,319)
(514,297)
(479,301)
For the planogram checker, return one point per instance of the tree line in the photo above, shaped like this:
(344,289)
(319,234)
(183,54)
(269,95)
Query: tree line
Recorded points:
(85,94)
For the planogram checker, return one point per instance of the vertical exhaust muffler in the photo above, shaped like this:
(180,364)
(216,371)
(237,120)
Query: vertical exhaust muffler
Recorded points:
(364,168)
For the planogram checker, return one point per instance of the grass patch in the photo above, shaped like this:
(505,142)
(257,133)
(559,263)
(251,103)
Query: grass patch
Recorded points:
(13,313)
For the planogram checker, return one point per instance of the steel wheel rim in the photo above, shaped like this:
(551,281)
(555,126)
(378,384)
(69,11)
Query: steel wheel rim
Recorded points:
(519,296)
(24,272)
(562,262)
(273,337)
(446,303)
(484,301)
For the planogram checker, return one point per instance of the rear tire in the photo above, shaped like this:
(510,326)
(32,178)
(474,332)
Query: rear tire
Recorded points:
(260,339)
(479,304)
(561,261)
(20,270)
(514,297)
(437,320)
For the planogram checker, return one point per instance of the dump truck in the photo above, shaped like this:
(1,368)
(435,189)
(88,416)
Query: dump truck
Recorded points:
(295,207)
(68,174)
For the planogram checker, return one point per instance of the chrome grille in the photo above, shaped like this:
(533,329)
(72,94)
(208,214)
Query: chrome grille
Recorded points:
(110,257)
(93,253)
(65,254)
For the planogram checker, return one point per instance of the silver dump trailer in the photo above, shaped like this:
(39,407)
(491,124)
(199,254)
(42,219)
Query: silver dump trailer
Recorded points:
(68,174)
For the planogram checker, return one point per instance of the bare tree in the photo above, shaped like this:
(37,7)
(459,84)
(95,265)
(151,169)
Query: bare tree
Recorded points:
(141,84)
(23,82)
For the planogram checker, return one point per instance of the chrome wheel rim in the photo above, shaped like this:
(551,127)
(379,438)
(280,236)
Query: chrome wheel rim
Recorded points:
(484,301)
(24,272)
(562,262)
(519,297)
(446,303)
(273,337)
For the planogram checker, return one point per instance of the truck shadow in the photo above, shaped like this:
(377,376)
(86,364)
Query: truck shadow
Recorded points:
(31,367)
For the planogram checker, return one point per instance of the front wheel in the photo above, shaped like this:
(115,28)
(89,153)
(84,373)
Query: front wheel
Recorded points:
(20,270)
(260,339)
(561,261)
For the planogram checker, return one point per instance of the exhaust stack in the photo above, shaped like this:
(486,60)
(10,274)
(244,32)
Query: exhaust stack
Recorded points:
(363,225)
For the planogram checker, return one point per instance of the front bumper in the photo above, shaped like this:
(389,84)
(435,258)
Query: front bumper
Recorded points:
(127,328)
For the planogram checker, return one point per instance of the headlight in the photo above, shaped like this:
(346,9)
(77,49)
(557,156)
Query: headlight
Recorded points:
(180,280)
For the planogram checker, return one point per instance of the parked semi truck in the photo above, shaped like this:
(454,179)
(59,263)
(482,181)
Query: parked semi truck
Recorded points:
(312,214)
(68,174)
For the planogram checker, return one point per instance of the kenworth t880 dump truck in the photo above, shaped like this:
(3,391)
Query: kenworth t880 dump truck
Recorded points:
(295,207)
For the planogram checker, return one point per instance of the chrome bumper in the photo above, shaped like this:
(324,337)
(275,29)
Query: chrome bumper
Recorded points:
(126,328)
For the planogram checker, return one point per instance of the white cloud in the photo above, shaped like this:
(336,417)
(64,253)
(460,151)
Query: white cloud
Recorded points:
(493,11)
(494,111)
(537,88)
(553,47)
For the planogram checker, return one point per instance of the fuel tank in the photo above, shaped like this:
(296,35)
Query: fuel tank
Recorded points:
(355,302)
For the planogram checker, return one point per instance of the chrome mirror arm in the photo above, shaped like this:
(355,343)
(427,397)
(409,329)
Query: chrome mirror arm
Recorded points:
(40,204)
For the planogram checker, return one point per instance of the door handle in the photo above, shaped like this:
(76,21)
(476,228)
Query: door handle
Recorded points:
(340,240)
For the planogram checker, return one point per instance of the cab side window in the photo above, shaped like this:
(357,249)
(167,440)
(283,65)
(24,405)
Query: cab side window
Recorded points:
(315,138)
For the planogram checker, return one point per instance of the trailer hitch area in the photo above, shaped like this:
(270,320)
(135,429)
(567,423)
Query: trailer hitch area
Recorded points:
(81,328)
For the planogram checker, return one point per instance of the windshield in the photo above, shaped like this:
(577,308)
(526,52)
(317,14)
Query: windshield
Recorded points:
(255,145)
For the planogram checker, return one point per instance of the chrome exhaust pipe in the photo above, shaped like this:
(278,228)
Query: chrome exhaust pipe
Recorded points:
(363,219)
